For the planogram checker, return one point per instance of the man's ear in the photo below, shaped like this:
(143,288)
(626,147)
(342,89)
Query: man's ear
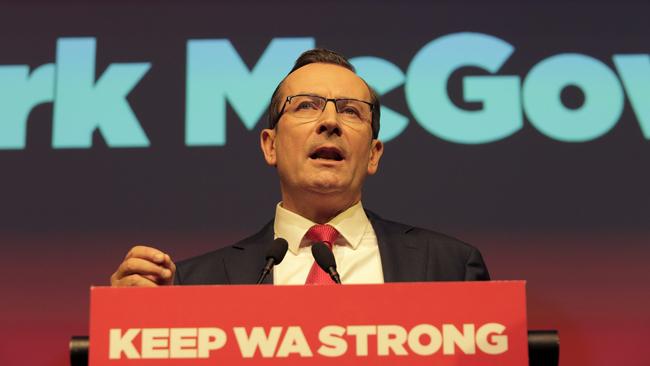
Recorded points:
(267,143)
(376,151)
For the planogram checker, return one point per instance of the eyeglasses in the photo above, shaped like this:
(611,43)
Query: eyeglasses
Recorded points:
(310,107)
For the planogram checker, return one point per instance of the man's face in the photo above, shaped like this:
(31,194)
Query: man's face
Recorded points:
(325,155)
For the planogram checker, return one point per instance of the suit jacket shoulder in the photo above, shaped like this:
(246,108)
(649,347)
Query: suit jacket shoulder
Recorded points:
(409,253)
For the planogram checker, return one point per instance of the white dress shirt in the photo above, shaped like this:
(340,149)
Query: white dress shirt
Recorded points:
(356,250)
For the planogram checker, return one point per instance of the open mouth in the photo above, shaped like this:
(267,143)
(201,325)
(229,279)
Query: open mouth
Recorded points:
(327,153)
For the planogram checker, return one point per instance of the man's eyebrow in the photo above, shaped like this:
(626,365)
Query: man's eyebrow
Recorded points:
(308,93)
(319,95)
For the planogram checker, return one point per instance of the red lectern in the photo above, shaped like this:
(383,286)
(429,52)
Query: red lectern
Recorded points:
(441,323)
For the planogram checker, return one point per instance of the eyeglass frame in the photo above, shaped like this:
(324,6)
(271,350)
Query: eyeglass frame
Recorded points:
(327,100)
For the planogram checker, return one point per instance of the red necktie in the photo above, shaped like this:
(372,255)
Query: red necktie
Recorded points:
(327,234)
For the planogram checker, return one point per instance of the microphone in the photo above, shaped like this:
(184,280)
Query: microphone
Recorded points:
(325,260)
(274,255)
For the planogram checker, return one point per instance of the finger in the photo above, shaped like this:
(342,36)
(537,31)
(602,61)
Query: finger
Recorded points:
(142,267)
(172,267)
(160,281)
(135,281)
(170,264)
(148,253)
(153,278)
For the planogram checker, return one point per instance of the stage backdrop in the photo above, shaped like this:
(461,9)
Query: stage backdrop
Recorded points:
(520,127)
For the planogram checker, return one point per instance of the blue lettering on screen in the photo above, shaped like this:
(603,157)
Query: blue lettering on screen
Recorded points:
(600,111)
(83,105)
(427,97)
(216,76)
(21,92)
(635,74)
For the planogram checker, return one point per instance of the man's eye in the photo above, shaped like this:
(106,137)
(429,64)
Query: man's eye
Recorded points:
(306,105)
(350,110)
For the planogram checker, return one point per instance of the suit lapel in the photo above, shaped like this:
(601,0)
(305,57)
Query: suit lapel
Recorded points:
(402,258)
(245,263)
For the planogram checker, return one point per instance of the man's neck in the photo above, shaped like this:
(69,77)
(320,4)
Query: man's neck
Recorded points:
(319,208)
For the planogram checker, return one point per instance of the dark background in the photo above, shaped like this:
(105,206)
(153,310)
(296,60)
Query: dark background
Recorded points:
(571,218)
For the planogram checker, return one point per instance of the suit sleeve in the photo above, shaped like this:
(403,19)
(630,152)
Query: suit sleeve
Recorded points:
(177,277)
(475,269)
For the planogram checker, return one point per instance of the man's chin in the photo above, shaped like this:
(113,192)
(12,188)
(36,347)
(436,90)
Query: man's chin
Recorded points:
(326,188)
(327,184)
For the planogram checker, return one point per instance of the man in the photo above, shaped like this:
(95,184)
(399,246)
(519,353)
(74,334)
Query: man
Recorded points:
(322,139)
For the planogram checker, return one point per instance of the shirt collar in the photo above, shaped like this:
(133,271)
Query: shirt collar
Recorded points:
(351,224)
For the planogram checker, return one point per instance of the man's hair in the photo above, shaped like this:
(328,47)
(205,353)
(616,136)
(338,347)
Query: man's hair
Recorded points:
(325,56)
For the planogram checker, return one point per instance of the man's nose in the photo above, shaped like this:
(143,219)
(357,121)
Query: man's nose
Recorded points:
(328,121)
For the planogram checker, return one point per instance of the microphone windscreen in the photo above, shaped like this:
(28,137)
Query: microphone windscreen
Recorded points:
(324,256)
(277,250)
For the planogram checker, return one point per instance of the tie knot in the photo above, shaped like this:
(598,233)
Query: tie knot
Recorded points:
(324,233)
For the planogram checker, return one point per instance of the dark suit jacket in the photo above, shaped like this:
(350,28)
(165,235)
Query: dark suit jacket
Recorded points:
(407,254)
